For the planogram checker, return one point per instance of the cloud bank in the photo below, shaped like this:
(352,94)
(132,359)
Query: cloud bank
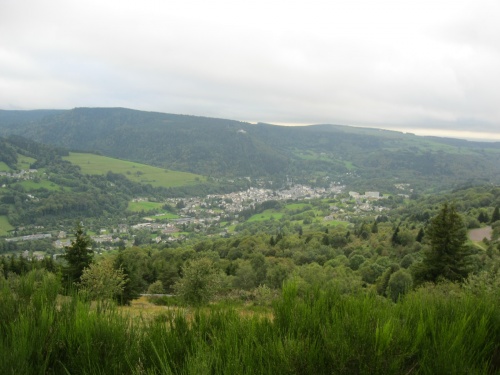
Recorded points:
(425,65)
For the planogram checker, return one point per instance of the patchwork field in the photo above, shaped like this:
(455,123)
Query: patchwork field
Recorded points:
(142,173)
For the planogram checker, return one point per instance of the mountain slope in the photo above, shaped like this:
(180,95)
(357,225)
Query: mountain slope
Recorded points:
(370,158)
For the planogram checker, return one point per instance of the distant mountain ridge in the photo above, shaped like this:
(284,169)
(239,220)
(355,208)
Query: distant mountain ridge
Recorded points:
(219,147)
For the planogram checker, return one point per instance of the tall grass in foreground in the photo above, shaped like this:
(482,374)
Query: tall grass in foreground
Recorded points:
(431,331)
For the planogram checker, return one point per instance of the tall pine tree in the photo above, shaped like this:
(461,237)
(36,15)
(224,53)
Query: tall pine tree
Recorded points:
(78,255)
(447,256)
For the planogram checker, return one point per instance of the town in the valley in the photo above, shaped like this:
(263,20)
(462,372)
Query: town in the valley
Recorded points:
(213,215)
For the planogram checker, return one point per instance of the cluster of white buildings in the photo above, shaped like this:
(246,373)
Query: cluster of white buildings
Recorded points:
(22,175)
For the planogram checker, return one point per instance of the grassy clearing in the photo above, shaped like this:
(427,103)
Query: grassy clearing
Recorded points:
(43,184)
(266,215)
(24,162)
(142,173)
(4,167)
(167,215)
(349,165)
(5,226)
(143,309)
(143,206)
(296,206)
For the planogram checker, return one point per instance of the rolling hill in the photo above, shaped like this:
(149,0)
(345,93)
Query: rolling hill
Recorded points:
(367,158)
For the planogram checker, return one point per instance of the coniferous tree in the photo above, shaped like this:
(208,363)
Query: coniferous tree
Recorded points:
(134,283)
(395,237)
(483,217)
(447,256)
(78,255)
(496,215)
(420,235)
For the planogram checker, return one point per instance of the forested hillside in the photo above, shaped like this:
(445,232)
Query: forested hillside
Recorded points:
(40,189)
(367,158)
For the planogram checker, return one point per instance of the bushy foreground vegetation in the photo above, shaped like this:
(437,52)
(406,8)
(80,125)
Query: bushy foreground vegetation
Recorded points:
(438,329)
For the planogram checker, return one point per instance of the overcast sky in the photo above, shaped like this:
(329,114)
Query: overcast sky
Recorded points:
(423,66)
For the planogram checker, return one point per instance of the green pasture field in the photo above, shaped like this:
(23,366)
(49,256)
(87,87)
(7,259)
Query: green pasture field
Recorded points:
(166,215)
(266,215)
(143,206)
(296,206)
(5,226)
(349,165)
(142,173)
(24,162)
(43,184)
(4,167)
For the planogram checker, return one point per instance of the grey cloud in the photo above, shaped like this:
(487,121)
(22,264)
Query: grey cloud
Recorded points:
(388,64)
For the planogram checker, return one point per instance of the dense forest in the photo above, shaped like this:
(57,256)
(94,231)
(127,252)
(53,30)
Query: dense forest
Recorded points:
(218,147)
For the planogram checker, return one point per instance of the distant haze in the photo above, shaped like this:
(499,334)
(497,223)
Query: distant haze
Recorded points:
(426,67)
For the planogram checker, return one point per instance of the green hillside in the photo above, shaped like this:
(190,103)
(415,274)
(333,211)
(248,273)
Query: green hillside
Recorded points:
(359,157)
(141,173)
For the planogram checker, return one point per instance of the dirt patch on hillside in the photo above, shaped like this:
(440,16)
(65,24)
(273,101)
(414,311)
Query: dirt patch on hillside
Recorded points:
(480,233)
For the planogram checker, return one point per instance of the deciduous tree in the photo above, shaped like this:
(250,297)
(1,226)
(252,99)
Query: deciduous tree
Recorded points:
(102,281)
(201,280)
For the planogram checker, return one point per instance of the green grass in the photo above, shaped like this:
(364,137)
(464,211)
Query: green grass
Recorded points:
(314,331)
(296,206)
(4,167)
(266,215)
(143,206)
(142,173)
(166,215)
(349,165)
(24,162)
(43,184)
(5,226)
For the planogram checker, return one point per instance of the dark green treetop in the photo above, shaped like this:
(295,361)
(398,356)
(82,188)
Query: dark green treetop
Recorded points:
(447,255)
(78,255)
(496,215)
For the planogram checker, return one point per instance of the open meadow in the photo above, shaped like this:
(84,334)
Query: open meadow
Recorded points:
(5,226)
(141,173)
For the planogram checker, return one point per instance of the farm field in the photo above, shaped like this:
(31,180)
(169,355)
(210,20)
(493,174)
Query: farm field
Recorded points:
(297,206)
(143,206)
(266,215)
(43,184)
(141,173)
(4,167)
(24,162)
(4,226)
(166,215)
